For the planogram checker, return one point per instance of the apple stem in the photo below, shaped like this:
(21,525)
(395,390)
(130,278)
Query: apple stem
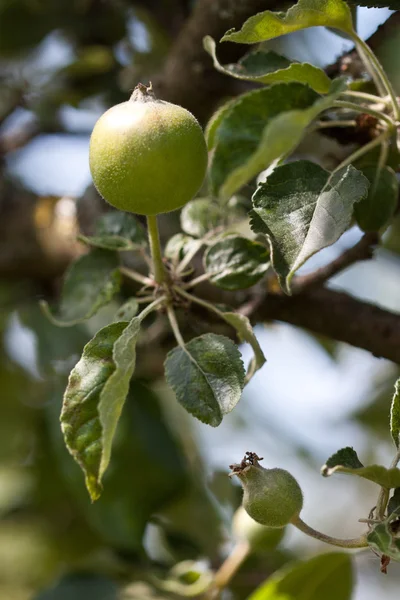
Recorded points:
(159,273)
(360,542)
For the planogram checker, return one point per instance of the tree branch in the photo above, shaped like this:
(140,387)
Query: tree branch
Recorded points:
(363,250)
(188,77)
(338,316)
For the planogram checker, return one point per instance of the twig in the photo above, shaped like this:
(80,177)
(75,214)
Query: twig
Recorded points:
(363,250)
(137,276)
(187,60)
(228,569)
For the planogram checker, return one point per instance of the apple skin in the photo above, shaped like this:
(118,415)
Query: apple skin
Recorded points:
(147,156)
(271,497)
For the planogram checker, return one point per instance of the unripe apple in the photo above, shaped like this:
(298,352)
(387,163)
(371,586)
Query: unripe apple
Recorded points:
(271,497)
(147,156)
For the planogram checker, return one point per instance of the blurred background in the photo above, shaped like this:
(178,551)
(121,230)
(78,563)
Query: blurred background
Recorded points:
(167,495)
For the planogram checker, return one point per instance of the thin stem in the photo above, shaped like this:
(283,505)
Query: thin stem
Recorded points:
(364,96)
(396,460)
(229,568)
(363,150)
(208,306)
(383,498)
(370,56)
(199,301)
(364,110)
(160,274)
(145,257)
(136,276)
(174,326)
(146,311)
(381,503)
(370,68)
(197,280)
(188,257)
(359,542)
(144,299)
(380,165)
(329,124)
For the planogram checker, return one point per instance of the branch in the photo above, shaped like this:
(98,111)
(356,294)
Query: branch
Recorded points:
(188,77)
(338,316)
(363,250)
(19,138)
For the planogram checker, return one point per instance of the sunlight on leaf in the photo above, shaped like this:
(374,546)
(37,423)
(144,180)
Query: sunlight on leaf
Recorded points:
(306,13)
(303,209)
(200,216)
(260,127)
(265,66)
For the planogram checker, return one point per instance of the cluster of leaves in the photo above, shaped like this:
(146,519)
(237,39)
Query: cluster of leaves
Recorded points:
(383,536)
(297,210)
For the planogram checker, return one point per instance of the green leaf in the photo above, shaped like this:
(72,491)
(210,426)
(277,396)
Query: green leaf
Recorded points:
(201,216)
(392,4)
(207,376)
(246,334)
(384,541)
(236,263)
(94,398)
(347,461)
(127,311)
(395,415)
(394,502)
(90,283)
(346,457)
(82,586)
(215,121)
(260,127)
(327,576)
(145,439)
(306,13)
(265,66)
(179,245)
(117,231)
(304,209)
(375,210)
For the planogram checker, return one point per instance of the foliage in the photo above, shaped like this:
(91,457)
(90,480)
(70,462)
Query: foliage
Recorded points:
(268,205)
